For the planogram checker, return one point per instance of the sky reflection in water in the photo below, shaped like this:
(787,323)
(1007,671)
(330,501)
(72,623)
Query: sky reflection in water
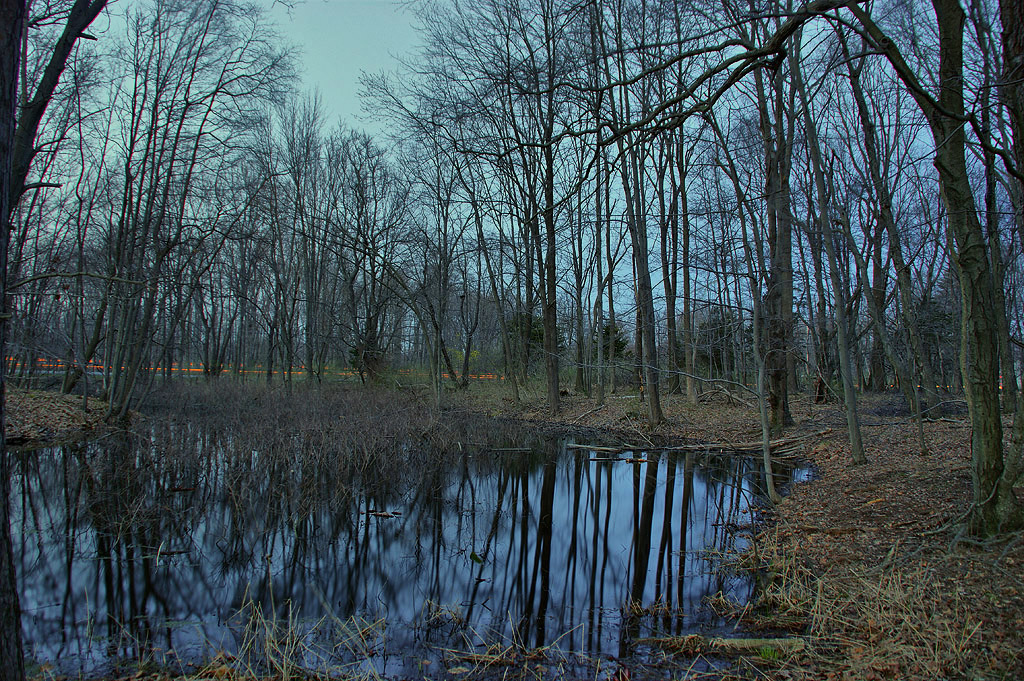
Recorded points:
(126,554)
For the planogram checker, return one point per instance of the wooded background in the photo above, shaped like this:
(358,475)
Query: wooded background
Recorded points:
(676,196)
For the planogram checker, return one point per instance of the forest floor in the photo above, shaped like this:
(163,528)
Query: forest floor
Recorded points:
(867,565)
(40,417)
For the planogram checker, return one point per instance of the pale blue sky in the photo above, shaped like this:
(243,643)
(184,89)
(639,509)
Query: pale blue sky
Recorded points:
(337,40)
(341,38)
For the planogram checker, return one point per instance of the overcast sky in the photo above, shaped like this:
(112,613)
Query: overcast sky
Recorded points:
(341,38)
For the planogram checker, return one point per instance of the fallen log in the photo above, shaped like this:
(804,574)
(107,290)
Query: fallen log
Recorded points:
(695,644)
(781,447)
(597,448)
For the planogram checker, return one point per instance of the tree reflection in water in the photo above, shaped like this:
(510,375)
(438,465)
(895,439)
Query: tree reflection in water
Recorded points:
(131,550)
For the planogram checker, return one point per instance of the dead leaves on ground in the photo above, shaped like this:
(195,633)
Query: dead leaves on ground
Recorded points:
(36,417)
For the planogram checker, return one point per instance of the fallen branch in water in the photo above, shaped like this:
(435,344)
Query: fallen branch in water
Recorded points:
(695,644)
(781,447)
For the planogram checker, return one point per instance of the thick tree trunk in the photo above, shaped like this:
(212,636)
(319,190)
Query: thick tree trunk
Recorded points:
(506,336)
(638,345)
(650,354)
(647,349)
(778,299)
(904,374)
(995,507)
(1011,14)
(688,336)
(876,296)
(647,353)
(82,13)
(613,330)
(12,18)
(599,298)
(669,278)
(581,385)
(904,287)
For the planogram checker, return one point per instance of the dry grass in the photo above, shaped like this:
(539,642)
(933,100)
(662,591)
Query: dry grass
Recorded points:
(895,624)
(866,562)
(287,648)
(513,659)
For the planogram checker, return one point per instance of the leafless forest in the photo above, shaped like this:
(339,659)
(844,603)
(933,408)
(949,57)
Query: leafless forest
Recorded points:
(759,197)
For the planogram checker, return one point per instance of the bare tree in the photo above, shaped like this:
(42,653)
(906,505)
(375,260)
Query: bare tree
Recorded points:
(995,508)
(631,160)
(17,137)
(825,219)
(12,15)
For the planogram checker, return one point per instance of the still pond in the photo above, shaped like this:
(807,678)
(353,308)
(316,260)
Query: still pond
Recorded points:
(130,552)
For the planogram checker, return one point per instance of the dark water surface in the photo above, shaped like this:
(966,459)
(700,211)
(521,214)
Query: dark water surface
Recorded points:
(130,551)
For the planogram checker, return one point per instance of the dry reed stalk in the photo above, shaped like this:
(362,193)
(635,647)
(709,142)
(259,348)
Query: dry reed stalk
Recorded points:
(887,626)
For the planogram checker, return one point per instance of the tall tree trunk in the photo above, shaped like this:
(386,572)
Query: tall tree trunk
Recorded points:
(887,220)
(648,354)
(24,149)
(581,385)
(838,285)
(632,179)
(640,331)
(778,304)
(669,278)
(995,508)
(992,209)
(1011,89)
(506,336)
(12,16)
(645,304)
(599,298)
(689,349)
(876,296)
(1011,14)
(17,149)
(904,373)
(610,276)
(526,312)
(551,281)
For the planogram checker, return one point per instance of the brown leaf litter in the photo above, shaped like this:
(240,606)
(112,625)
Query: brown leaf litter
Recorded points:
(36,417)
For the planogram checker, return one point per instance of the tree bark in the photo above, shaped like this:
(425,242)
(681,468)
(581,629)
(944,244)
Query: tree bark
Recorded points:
(995,508)
(551,281)
(17,149)
(887,220)
(778,304)
(12,17)
(83,12)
